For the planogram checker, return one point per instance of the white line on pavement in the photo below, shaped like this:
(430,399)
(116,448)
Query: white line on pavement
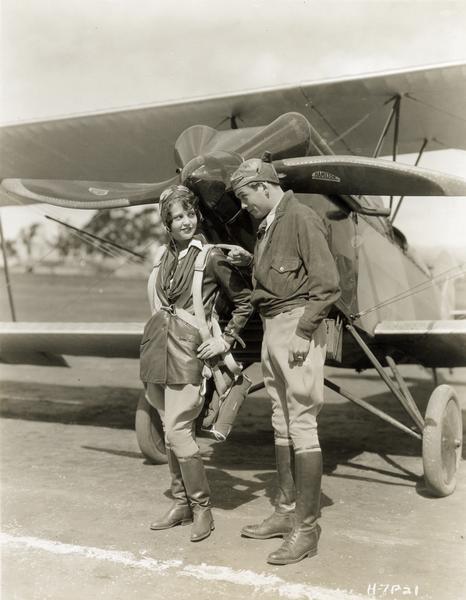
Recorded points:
(258,581)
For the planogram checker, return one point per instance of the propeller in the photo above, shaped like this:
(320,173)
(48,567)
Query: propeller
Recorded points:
(85,194)
(356,175)
(289,135)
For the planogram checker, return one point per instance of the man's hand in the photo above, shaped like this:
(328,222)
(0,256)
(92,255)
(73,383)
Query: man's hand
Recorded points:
(298,350)
(239,257)
(212,347)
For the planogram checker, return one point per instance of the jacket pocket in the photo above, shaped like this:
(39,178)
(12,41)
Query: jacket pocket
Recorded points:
(283,276)
(183,334)
(285,265)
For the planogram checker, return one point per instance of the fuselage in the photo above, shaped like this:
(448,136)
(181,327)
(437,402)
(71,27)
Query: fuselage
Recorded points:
(380,277)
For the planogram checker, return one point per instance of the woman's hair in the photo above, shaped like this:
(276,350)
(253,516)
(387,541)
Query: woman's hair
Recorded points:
(176,193)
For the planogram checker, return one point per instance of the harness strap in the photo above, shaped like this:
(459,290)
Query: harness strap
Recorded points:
(199,319)
(199,311)
(154,301)
(230,362)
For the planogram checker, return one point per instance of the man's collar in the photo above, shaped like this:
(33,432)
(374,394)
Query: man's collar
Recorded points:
(276,211)
(270,217)
(281,206)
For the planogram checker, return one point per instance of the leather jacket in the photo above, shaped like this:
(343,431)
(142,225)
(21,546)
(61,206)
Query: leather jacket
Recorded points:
(296,267)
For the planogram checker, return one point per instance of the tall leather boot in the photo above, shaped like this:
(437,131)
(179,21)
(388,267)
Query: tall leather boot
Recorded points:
(282,520)
(179,512)
(303,540)
(198,492)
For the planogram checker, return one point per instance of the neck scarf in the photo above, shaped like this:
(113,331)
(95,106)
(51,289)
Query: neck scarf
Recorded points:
(177,275)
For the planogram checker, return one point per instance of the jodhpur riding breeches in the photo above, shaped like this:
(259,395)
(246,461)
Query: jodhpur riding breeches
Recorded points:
(296,391)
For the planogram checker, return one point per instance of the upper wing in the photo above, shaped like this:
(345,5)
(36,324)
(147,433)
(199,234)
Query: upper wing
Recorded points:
(137,145)
(431,343)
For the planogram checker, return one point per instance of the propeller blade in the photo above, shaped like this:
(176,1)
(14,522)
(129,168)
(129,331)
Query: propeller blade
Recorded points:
(356,175)
(85,194)
(289,135)
(193,142)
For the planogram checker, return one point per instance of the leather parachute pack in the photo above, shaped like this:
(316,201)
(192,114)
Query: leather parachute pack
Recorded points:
(231,384)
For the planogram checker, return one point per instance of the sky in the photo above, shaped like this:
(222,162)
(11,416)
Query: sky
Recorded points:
(84,56)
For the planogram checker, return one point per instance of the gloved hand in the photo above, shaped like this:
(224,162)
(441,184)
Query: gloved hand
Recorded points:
(212,347)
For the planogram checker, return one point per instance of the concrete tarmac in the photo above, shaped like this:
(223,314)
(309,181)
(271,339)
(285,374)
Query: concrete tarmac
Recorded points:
(78,497)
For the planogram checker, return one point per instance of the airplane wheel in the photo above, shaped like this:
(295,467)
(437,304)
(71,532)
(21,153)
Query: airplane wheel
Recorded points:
(442,441)
(149,432)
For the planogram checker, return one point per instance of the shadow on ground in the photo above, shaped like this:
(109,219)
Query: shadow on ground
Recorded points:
(345,429)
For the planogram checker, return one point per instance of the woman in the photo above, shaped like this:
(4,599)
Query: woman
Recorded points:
(173,354)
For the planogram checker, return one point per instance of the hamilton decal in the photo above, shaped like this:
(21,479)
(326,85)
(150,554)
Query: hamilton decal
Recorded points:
(325,176)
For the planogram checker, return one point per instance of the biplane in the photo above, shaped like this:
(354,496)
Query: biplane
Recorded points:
(326,140)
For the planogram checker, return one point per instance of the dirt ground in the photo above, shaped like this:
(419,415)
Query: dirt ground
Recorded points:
(77,499)
(77,496)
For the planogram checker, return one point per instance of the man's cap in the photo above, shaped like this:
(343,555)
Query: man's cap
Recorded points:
(254,170)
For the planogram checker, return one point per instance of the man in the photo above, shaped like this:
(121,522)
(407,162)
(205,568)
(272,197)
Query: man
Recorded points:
(295,284)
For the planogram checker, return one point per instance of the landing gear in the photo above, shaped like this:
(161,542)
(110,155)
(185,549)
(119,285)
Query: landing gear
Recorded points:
(149,432)
(442,441)
(440,430)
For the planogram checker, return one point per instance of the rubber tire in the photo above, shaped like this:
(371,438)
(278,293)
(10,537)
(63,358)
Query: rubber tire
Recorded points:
(149,432)
(440,455)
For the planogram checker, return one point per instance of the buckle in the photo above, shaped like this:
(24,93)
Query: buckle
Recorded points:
(171,309)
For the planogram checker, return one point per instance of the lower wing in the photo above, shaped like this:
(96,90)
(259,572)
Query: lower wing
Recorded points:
(430,343)
(45,343)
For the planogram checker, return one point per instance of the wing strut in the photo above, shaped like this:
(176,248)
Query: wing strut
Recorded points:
(7,273)
(394,114)
(425,141)
(399,391)
(386,127)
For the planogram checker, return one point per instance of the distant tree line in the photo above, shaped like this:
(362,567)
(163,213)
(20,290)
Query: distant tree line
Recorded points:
(132,230)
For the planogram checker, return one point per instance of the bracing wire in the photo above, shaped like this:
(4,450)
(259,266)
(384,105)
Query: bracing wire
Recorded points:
(357,124)
(113,252)
(416,289)
(433,107)
(106,246)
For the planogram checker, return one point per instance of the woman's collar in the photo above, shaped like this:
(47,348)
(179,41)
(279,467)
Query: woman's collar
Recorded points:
(195,242)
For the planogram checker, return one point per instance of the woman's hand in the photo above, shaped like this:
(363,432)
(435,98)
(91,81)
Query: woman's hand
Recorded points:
(239,257)
(212,347)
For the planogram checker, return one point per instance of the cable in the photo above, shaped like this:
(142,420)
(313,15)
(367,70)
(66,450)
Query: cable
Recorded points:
(357,124)
(433,107)
(96,243)
(413,290)
(311,107)
(95,237)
